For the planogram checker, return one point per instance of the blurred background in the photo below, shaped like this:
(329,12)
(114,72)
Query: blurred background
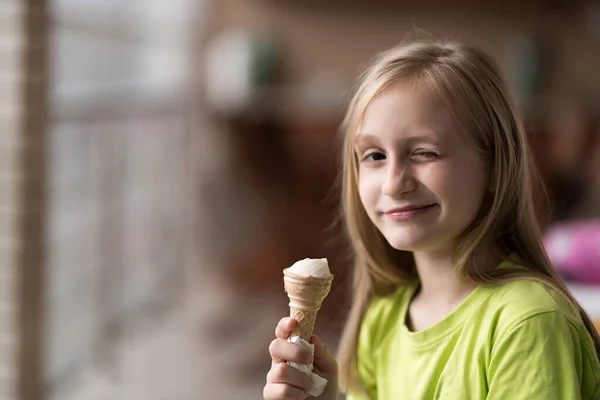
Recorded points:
(163,161)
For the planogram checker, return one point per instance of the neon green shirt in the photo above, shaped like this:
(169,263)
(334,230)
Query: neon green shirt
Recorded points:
(516,341)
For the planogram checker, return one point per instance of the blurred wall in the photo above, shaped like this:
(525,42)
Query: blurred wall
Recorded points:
(13,39)
(117,181)
(344,36)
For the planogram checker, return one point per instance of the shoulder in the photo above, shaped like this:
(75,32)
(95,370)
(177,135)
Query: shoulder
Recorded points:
(520,302)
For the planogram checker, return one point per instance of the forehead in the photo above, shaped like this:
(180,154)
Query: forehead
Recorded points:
(406,109)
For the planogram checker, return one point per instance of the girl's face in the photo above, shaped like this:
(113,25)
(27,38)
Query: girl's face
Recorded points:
(420,181)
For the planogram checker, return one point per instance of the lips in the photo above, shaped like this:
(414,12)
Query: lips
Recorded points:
(409,208)
(409,212)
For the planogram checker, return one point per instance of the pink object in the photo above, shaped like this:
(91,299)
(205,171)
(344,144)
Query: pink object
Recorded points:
(574,249)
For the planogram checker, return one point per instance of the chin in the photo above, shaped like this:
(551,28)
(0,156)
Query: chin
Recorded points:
(421,241)
(410,242)
(412,247)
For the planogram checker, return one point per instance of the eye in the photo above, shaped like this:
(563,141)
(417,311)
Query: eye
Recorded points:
(374,156)
(425,155)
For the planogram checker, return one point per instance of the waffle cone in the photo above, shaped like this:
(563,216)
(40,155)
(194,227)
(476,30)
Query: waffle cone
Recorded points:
(306,295)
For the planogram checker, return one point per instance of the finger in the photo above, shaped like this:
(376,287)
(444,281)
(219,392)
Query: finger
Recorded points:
(282,350)
(281,391)
(284,327)
(283,373)
(324,360)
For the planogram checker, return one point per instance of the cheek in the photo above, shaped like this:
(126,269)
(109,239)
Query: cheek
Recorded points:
(463,187)
(369,191)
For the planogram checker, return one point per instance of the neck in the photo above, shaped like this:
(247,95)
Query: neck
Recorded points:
(439,282)
(437,273)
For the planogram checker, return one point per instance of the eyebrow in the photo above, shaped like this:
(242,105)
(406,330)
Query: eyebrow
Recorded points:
(364,137)
(367,137)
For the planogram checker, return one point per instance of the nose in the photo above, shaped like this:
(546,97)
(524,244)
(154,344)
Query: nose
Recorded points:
(399,180)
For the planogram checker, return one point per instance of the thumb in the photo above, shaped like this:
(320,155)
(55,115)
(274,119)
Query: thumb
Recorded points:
(323,357)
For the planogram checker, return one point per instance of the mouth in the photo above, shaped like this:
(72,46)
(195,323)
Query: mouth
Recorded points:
(409,212)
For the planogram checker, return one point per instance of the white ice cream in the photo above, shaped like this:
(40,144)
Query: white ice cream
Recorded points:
(317,268)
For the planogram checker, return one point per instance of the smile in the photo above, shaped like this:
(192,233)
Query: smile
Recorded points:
(406,213)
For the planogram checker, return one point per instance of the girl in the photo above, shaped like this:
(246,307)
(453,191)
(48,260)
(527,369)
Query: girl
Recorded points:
(454,297)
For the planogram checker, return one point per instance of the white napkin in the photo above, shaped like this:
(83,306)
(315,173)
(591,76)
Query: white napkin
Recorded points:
(318,383)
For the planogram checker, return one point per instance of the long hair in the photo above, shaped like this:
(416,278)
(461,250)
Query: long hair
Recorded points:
(469,82)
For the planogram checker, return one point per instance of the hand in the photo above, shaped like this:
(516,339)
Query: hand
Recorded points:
(287,383)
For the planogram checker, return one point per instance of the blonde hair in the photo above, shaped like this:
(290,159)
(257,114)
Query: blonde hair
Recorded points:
(468,81)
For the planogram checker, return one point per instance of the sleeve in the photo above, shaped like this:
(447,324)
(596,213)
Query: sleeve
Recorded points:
(367,374)
(366,366)
(536,359)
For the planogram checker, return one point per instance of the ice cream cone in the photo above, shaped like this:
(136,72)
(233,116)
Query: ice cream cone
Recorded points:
(306,295)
